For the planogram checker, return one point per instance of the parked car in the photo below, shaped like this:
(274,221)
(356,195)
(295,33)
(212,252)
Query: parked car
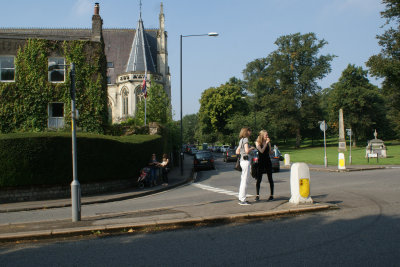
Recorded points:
(193,150)
(230,155)
(276,157)
(275,160)
(224,148)
(203,160)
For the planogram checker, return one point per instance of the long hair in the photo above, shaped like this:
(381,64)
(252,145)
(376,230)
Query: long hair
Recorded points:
(244,132)
(260,137)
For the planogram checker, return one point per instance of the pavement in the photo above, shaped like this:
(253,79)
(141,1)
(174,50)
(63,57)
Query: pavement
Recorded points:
(169,218)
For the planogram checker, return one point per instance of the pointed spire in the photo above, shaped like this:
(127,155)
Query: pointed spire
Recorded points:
(140,7)
(140,58)
(162,18)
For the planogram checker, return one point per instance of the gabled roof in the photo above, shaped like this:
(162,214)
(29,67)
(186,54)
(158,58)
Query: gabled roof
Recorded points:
(42,33)
(140,57)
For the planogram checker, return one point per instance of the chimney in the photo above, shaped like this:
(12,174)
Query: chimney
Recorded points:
(97,24)
(96,8)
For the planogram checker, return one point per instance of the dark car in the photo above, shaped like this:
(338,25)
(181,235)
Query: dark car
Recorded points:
(230,155)
(193,151)
(203,160)
(275,158)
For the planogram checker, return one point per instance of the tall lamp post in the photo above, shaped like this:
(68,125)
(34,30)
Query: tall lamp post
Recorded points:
(192,35)
(75,185)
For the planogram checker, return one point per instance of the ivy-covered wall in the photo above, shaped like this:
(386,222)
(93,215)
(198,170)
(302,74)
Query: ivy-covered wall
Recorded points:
(24,103)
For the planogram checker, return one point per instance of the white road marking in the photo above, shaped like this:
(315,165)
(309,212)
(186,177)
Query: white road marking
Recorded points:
(217,190)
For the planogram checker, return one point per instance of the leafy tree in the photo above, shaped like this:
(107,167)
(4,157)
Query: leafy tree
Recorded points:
(190,125)
(217,105)
(285,83)
(361,101)
(158,106)
(387,63)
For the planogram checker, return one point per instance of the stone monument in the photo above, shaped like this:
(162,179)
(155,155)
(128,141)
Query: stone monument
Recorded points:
(342,140)
(375,148)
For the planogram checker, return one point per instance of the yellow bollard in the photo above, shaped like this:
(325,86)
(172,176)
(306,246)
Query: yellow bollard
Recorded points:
(300,183)
(341,162)
(287,160)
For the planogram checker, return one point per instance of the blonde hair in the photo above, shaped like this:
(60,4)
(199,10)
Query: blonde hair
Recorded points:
(260,137)
(244,132)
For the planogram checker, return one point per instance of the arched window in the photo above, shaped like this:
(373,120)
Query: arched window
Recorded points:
(125,102)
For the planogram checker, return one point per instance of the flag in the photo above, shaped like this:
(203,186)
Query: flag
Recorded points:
(144,89)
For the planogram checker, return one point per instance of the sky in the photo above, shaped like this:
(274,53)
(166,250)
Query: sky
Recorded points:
(247,31)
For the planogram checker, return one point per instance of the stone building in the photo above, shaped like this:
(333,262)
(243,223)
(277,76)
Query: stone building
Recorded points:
(131,54)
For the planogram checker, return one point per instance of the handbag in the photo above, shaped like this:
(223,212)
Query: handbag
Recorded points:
(237,165)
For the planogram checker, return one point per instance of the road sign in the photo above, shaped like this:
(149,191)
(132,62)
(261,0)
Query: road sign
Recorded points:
(323,126)
(348,132)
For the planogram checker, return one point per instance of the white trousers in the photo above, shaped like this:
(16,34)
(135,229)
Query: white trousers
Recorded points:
(244,179)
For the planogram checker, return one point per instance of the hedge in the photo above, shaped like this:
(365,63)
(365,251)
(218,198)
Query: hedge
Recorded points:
(46,158)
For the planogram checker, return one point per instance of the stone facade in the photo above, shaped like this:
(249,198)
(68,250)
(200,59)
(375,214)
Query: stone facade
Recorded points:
(132,55)
(124,87)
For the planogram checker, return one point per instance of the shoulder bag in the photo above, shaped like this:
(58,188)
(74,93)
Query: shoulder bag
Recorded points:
(237,165)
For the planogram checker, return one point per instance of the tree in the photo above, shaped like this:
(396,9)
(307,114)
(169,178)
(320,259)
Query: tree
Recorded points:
(217,105)
(158,106)
(285,83)
(387,63)
(190,125)
(361,101)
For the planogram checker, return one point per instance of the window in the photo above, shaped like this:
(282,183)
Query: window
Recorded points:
(108,80)
(125,102)
(56,69)
(56,115)
(110,64)
(7,68)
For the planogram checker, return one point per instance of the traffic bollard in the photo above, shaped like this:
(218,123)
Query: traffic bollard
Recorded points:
(300,183)
(287,160)
(341,162)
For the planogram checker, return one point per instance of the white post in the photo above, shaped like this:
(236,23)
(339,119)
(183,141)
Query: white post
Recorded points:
(287,160)
(341,162)
(300,183)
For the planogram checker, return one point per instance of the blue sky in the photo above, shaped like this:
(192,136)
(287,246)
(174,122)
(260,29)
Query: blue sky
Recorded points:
(248,30)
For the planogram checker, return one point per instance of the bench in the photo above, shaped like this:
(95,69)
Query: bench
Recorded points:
(373,155)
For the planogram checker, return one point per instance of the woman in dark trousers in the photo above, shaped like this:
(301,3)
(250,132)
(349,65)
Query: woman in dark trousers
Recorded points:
(263,145)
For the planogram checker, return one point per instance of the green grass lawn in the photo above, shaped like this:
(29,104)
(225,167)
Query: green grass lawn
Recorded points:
(315,155)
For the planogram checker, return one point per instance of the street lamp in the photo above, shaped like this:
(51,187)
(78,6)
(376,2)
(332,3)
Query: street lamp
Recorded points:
(75,185)
(191,35)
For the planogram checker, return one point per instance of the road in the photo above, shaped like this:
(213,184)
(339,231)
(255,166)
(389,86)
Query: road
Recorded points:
(364,231)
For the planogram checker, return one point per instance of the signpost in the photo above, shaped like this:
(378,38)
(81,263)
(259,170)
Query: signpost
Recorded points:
(349,133)
(323,126)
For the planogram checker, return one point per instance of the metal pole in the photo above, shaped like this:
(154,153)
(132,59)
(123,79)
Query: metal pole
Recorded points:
(75,186)
(325,158)
(181,141)
(350,146)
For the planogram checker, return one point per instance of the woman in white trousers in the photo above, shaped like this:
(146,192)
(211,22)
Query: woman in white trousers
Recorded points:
(243,149)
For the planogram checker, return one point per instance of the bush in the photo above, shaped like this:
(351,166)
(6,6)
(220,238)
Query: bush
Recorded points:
(46,158)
